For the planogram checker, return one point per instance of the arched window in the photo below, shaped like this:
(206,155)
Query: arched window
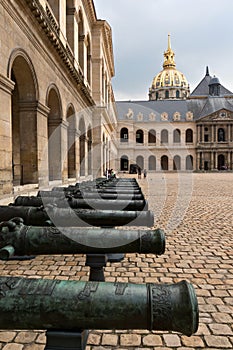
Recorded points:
(139,136)
(166,94)
(177,94)
(206,134)
(152,163)
(176,136)
(164,136)
(221,135)
(164,163)
(140,161)
(176,163)
(124,163)
(152,136)
(221,162)
(189,136)
(189,162)
(124,135)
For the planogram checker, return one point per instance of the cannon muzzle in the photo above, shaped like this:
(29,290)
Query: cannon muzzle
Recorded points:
(58,304)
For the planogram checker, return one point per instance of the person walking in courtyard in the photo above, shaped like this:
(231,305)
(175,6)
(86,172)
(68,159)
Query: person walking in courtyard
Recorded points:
(139,172)
(144,173)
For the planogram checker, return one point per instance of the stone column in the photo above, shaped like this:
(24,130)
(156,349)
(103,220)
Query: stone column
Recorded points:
(229,159)
(86,156)
(212,133)
(145,137)
(211,160)
(201,133)
(42,145)
(6,88)
(198,161)
(216,160)
(77,155)
(97,145)
(64,151)
(228,133)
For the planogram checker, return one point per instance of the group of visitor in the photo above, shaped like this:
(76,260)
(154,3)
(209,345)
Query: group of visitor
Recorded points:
(140,173)
(110,174)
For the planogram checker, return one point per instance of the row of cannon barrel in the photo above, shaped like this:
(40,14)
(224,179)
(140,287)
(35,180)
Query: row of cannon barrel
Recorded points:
(55,222)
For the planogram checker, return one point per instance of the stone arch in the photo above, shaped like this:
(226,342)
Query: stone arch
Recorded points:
(164,162)
(152,163)
(24,118)
(221,135)
(152,136)
(221,162)
(189,162)
(124,135)
(82,148)
(177,163)
(71,141)
(139,136)
(140,161)
(89,149)
(124,166)
(53,101)
(189,136)
(176,136)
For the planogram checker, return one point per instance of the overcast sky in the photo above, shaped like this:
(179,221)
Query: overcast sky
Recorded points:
(201,34)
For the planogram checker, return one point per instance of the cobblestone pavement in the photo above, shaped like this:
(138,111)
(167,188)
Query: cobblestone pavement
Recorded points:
(196,213)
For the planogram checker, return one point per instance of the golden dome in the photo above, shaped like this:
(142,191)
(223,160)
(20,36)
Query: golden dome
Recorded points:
(169,77)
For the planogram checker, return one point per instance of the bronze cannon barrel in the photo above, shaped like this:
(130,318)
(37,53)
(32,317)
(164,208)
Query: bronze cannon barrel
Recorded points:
(19,239)
(117,190)
(91,193)
(118,196)
(56,304)
(39,216)
(84,203)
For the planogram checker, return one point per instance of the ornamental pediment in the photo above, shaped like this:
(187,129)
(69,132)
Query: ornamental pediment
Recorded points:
(222,115)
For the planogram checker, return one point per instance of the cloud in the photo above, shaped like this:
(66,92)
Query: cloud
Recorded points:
(200,35)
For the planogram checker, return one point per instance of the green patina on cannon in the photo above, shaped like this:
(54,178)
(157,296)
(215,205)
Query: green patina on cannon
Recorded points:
(18,239)
(53,304)
(84,203)
(40,216)
(90,193)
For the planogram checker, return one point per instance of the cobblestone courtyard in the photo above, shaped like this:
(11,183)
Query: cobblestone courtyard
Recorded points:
(196,213)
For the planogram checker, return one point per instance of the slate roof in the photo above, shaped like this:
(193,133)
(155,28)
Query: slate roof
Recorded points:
(147,107)
(200,107)
(202,88)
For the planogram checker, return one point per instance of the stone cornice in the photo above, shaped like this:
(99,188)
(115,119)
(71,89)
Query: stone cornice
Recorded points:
(107,38)
(53,36)
(90,10)
(6,84)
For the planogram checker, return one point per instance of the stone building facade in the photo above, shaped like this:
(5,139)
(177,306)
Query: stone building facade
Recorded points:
(176,130)
(57,103)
